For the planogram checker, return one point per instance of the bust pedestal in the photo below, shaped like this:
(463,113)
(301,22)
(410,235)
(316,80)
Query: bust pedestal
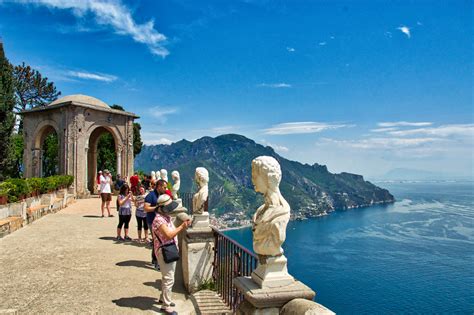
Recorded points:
(200,221)
(198,256)
(269,301)
(273,274)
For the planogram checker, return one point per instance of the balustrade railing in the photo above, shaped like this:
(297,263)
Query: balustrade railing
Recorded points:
(187,198)
(231,260)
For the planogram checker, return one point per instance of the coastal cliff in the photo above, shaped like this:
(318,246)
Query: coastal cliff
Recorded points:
(311,190)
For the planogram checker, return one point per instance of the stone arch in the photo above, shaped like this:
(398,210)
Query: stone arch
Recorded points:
(93,135)
(78,120)
(37,138)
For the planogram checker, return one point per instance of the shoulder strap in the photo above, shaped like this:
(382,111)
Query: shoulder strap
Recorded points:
(159,238)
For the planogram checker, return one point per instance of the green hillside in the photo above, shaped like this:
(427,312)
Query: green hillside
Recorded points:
(310,189)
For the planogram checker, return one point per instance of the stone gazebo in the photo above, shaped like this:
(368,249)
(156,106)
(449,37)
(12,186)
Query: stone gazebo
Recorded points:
(78,121)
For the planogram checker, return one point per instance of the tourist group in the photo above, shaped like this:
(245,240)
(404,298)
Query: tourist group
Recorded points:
(154,202)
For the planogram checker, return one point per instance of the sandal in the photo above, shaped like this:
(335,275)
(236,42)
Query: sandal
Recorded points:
(111,215)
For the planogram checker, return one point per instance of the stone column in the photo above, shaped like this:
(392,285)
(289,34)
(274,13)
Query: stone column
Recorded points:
(86,171)
(197,257)
(119,160)
(36,162)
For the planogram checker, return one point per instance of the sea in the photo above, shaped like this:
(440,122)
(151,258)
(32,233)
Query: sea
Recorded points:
(413,256)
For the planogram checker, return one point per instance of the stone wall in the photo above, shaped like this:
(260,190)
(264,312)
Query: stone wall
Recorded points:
(18,214)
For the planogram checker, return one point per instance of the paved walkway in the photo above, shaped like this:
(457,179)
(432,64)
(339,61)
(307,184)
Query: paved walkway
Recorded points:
(68,262)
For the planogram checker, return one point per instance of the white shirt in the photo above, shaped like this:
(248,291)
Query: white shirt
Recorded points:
(105,182)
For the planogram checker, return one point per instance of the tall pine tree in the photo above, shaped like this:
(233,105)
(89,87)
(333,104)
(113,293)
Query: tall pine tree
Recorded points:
(7,117)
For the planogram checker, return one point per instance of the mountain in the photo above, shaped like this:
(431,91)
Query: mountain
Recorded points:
(310,189)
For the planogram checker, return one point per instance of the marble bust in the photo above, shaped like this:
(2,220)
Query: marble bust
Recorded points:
(153,176)
(271,218)
(164,174)
(200,203)
(176,184)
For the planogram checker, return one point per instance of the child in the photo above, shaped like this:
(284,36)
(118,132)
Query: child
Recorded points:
(125,211)
(141,215)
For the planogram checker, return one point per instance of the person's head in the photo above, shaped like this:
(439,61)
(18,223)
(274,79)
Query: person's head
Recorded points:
(106,172)
(266,173)
(142,190)
(201,176)
(161,186)
(136,173)
(100,172)
(118,176)
(124,190)
(166,205)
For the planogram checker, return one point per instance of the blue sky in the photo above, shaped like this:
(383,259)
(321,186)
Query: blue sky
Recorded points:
(361,86)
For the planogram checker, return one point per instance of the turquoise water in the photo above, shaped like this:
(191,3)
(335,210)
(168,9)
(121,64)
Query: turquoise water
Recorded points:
(415,256)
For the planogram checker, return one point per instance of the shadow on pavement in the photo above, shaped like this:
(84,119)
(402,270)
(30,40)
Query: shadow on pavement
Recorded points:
(92,216)
(143,303)
(130,243)
(135,263)
(107,238)
(156,284)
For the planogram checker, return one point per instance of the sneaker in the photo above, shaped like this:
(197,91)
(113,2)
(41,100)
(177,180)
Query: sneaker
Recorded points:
(127,238)
(119,238)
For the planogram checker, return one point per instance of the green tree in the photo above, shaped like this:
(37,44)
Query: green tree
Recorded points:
(137,139)
(7,117)
(50,155)
(32,89)
(106,157)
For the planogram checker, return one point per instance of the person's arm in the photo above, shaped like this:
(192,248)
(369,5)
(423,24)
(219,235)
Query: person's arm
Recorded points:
(148,207)
(169,234)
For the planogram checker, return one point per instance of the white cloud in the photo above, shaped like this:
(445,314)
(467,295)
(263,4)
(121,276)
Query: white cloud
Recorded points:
(158,141)
(405,30)
(276,147)
(404,124)
(383,129)
(322,43)
(290,49)
(92,76)
(441,131)
(275,85)
(161,112)
(383,142)
(301,128)
(114,14)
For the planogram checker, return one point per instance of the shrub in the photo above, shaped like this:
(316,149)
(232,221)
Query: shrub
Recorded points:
(19,189)
(15,188)
(35,184)
(5,188)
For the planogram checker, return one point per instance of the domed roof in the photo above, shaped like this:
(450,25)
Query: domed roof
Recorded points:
(80,98)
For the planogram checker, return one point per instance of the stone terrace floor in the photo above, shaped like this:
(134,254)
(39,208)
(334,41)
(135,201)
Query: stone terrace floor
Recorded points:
(68,262)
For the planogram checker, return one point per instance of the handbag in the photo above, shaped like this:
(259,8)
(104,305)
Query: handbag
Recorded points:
(170,251)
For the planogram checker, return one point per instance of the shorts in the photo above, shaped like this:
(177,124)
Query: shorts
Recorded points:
(106,197)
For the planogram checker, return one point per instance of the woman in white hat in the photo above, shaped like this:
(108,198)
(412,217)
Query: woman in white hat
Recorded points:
(164,235)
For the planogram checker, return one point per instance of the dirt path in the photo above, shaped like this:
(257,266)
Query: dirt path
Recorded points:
(68,262)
